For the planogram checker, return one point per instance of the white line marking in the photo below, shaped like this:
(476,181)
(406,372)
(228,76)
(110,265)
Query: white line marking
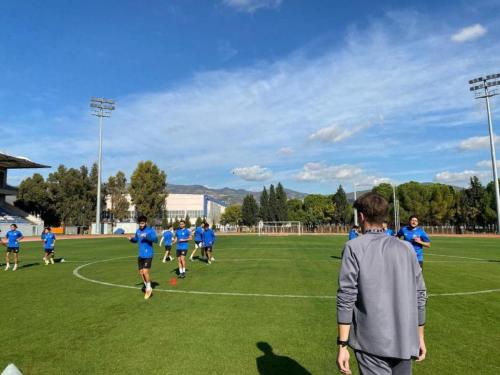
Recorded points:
(80,276)
(455,256)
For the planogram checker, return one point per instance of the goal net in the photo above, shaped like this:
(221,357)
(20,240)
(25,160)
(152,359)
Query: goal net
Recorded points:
(278,228)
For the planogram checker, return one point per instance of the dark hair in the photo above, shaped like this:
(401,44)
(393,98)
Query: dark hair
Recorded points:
(13,225)
(47,228)
(182,221)
(355,227)
(206,225)
(373,206)
(142,218)
(413,217)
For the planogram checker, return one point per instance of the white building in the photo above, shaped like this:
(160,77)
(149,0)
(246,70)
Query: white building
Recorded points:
(178,206)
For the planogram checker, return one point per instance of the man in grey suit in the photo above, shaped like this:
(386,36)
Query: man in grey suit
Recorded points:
(381,297)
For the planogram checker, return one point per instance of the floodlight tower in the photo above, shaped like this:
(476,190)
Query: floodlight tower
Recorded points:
(355,184)
(101,108)
(484,84)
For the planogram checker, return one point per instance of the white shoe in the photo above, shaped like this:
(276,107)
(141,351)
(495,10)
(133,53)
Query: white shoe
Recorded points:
(164,260)
(15,267)
(171,258)
(51,260)
(7,267)
(212,259)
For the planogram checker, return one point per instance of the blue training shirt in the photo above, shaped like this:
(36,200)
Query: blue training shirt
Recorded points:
(353,234)
(167,237)
(208,237)
(389,232)
(145,239)
(182,234)
(13,238)
(198,234)
(409,234)
(48,240)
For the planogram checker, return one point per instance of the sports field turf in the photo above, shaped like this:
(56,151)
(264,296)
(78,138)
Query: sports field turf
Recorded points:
(53,322)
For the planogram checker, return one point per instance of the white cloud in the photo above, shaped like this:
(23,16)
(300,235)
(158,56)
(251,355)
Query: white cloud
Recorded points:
(486,164)
(460,178)
(253,173)
(285,151)
(469,33)
(322,172)
(476,143)
(336,133)
(252,6)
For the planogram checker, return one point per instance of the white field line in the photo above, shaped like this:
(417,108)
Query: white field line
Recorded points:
(80,276)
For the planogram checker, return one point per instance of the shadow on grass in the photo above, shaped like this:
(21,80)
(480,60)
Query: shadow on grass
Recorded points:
(154,284)
(335,257)
(272,364)
(494,261)
(28,265)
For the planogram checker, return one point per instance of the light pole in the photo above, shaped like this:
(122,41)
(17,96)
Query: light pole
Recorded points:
(483,84)
(354,184)
(101,108)
(395,203)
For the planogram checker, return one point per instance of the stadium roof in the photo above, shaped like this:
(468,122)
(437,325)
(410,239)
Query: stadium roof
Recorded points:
(18,162)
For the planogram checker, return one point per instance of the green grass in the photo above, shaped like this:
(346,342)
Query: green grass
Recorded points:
(55,323)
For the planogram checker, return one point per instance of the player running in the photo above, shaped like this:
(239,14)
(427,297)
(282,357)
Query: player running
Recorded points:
(182,238)
(49,242)
(198,233)
(387,230)
(417,237)
(13,237)
(208,237)
(354,232)
(167,237)
(145,236)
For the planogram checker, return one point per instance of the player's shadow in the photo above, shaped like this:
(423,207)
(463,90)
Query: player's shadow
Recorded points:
(272,364)
(335,257)
(28,265)
(154,284)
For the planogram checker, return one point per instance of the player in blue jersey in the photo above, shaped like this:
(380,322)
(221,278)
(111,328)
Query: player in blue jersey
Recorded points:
(12,237)
(198,233)
(145,236)
(387,230)
(49,243)
(182,238)
(417,237)
(354,232)
(167,237)
(208,237)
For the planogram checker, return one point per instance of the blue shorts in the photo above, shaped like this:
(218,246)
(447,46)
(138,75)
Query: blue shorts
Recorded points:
(168,247)
(181,252)
(13,250)
(197,243)
(49,251)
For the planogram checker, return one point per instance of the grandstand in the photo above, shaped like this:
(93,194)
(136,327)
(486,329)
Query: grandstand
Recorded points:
(9,214)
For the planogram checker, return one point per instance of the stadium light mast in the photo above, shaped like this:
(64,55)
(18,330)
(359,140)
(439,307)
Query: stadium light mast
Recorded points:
(481,88)
(355,184)
(101,108)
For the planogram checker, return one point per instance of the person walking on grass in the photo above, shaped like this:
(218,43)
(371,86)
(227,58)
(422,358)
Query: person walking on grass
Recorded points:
(208,238)
(145,236)
(49,242)
(167,238)
(182,238)
(12,237)
(381,298)
(417,237)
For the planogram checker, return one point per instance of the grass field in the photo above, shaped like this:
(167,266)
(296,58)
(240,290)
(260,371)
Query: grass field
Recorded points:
(56,323)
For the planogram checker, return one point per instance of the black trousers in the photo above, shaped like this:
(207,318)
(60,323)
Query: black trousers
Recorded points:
(373,365)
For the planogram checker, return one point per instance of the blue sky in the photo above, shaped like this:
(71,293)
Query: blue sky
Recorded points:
(243,93)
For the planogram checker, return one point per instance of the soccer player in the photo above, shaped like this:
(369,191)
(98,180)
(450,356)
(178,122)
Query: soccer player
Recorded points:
(198,233)
(386,229)
(417,237)
(13,237)
(145,236)
(208,237)
(167,237)
(354,232)
(49,242)
(182,238)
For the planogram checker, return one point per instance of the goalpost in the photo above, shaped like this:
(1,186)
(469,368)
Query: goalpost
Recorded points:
(280,228)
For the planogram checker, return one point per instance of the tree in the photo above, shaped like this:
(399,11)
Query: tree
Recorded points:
(343,210)
(473,204)
(319,209)
(148,190)
(116,188)
(442,205)
(281,199)
(295,210)
(175,224)
(199,221)
(188,221)
(273,204)
(249,211)
(232,215)
(264,206)
(414,199)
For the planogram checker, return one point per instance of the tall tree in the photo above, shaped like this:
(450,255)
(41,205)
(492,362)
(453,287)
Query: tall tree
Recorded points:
(273,204)
(343,210)
(414,198)
(295,210)
(473,204)
(148,189)
(281,199)
(442,205)
(116,189)
(249,211)
(264,206)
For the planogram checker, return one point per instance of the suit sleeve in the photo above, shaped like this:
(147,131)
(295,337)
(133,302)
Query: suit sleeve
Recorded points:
(347,294)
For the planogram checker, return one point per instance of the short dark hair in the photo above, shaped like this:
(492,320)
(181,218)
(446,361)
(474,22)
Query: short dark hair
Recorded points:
(13,225)
(373,206)
(48,228)
(182,221)
(412,217)
(142,218)
(206,225)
